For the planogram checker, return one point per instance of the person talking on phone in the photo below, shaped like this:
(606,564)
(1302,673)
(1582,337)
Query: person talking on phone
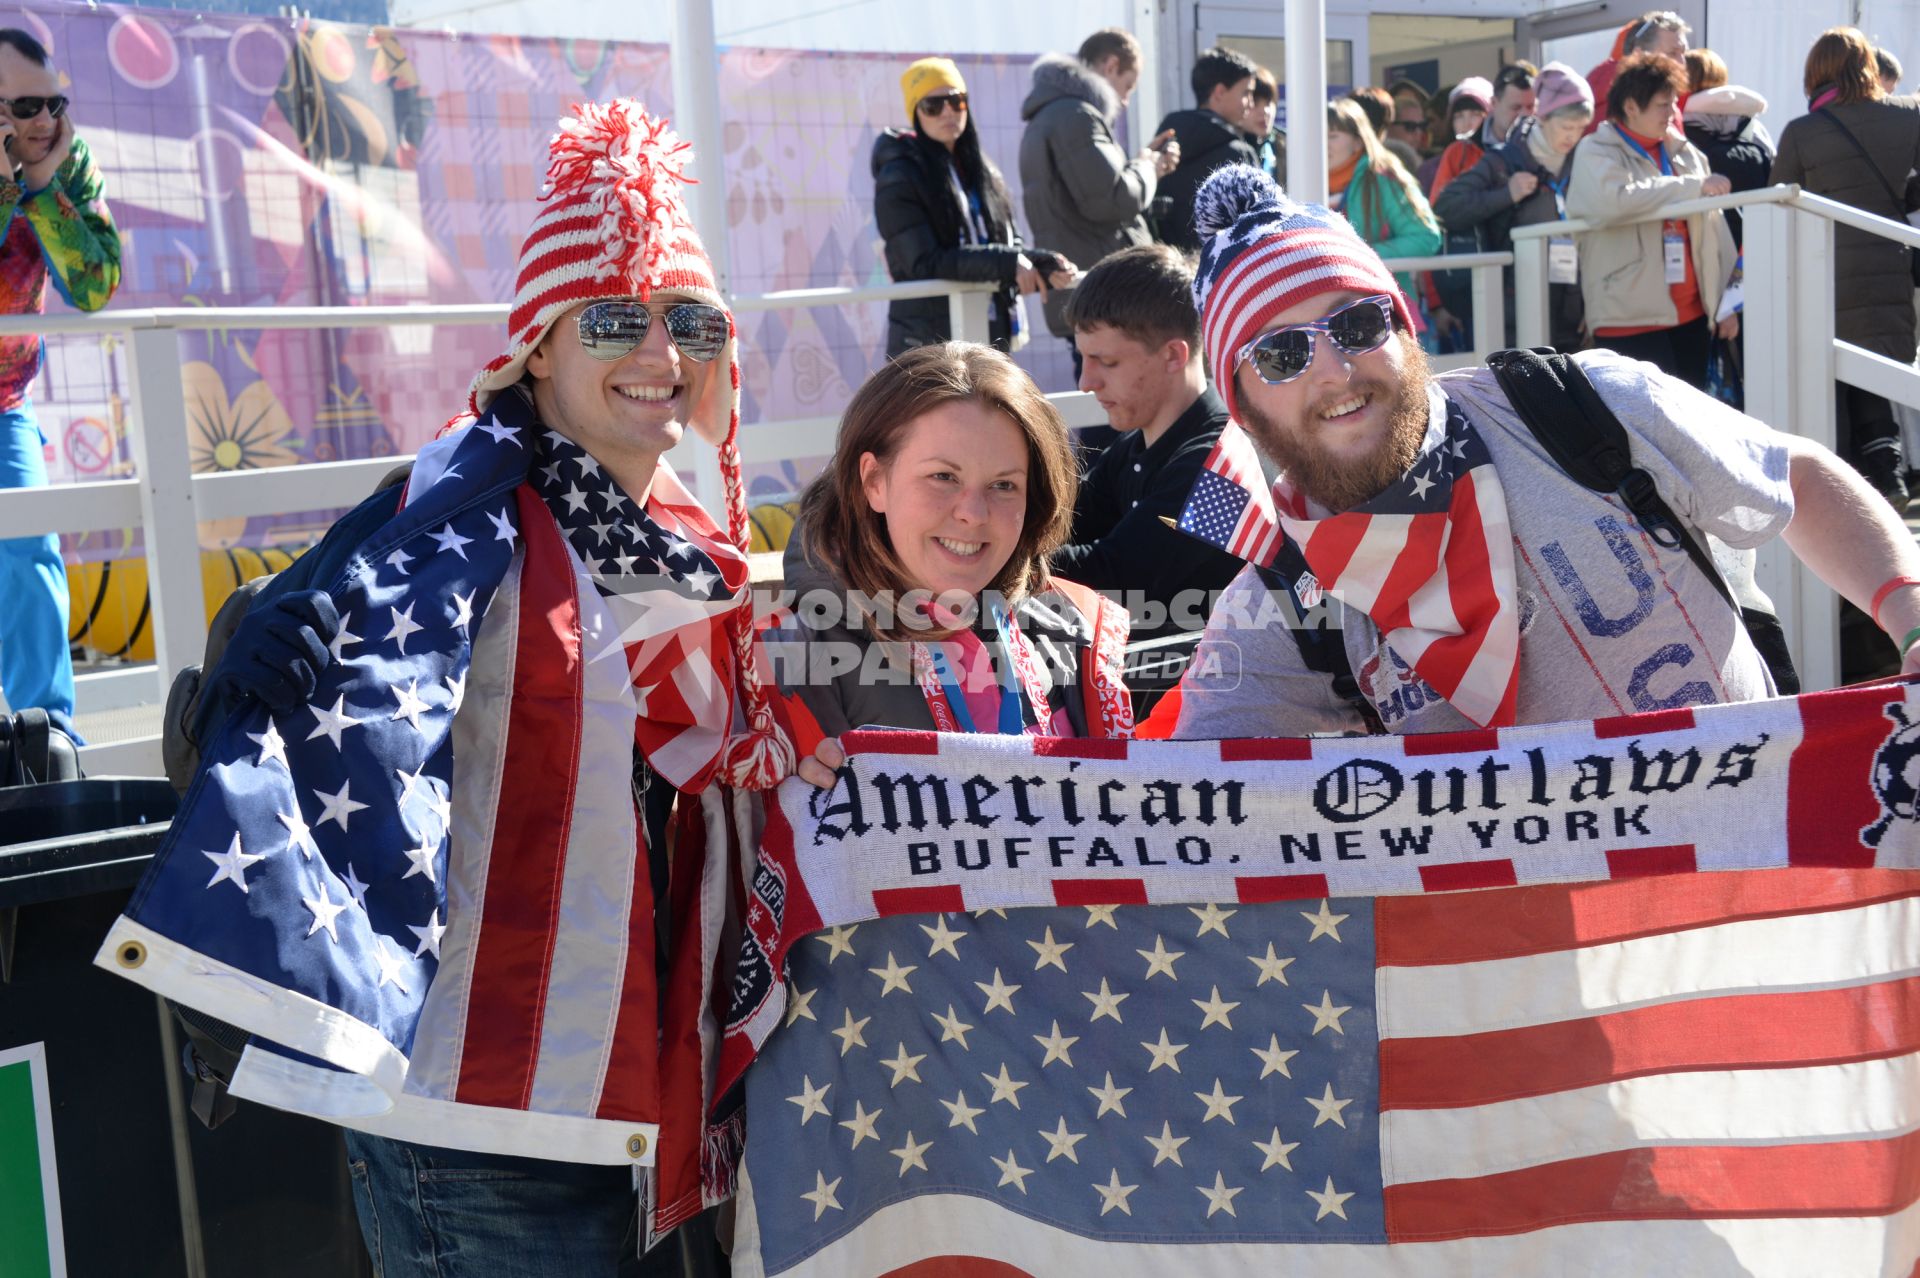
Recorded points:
(57,225)
(1085,196)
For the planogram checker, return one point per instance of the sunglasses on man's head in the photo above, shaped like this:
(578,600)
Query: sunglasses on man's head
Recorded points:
(611,330)
(1358,328)
(27,108)
(938,104)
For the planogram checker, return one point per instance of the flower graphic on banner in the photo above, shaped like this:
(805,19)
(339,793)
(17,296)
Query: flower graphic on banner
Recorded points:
(248,432)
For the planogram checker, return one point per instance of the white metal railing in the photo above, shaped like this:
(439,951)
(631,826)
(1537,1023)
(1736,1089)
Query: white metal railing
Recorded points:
(1792,360)
(168,501)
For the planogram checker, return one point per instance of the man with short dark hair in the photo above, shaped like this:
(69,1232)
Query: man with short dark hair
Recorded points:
(1210,137)
(1512,101)
(1084,197)
(1269,141)
(56,223)
(1139,335)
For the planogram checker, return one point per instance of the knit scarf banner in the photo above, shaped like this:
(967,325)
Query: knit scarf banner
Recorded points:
(928,823)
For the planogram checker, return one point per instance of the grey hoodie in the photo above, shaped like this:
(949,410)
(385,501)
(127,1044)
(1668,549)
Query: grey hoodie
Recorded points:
(1084,198)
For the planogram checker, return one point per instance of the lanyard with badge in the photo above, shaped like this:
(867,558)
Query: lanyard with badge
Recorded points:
(948,704)
(1563,259)
(1673,235)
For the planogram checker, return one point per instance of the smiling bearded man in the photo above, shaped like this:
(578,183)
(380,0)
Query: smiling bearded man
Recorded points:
(1478,584)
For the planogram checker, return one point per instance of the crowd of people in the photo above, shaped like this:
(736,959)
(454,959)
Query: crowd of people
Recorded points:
(956,499)
(1420,174)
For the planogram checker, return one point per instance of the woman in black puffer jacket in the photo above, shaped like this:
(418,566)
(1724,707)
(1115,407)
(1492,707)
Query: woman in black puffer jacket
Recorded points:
(944,213)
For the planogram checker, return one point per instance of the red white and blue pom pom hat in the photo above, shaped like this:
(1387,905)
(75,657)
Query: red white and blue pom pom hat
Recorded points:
(613,225)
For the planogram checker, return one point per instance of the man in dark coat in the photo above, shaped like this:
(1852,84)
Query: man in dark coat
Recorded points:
(1134,319)
(1209,136)
(1084,197)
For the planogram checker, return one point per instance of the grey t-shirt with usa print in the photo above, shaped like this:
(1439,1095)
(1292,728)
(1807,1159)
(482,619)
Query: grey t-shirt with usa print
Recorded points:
(1610,622)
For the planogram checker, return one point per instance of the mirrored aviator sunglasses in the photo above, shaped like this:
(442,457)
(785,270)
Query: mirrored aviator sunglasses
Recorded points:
(613,330)
(1358,328)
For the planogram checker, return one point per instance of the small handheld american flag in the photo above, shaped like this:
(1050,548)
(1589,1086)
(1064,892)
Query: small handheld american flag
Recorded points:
(1231,506)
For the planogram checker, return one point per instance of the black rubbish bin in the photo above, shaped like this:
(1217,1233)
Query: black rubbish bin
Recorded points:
(272,1190)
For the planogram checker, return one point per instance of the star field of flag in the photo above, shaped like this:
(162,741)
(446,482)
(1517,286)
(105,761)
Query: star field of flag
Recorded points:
(1427,487)
(320,865)
(1213,508)
(620,544)
(1153,1072)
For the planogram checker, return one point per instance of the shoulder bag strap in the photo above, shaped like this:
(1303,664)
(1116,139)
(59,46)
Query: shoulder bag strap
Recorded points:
(1893,198)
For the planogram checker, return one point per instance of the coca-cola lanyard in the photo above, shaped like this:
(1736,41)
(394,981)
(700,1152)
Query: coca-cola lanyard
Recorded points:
(948,703)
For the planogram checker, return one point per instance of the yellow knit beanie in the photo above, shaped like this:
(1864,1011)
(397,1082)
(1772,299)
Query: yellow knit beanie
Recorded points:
(926,75)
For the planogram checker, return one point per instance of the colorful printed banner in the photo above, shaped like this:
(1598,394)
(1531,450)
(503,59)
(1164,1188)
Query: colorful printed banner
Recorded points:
(272,162)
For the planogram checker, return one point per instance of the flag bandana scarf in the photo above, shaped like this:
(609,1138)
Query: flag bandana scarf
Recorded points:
(671,581)
(1671,1028)
(1430,560)
(440,926)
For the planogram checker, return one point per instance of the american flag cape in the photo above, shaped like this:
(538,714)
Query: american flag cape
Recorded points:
(442,927)
(1635,995)
(1430,559)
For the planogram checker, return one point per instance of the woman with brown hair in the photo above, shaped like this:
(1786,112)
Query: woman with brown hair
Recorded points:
(1860,147)
(919,568)
(1373,190)
(923,602)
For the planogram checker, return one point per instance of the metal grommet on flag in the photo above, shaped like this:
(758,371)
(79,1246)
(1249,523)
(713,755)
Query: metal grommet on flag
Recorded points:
(130,955)
(637,1145)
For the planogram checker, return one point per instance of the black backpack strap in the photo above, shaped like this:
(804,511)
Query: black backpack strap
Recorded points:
(1553,397)
(1322,648)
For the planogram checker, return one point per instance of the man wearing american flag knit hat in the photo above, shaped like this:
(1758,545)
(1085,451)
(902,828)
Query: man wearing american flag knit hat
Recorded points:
(427,864)
(1475,583)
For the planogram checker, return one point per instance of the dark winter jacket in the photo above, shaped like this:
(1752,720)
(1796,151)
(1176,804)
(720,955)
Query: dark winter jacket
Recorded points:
(1120,544)
(1207,142)
(879,690)
(926,231)
(1873,284)
(1479,200)
(1085,199)
(1723,123)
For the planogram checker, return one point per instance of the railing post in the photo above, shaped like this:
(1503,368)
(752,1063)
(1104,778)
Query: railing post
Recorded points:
(1305,94)
(172,526)
(1531,326)
(1489,312)
(967,316)
(1788,320)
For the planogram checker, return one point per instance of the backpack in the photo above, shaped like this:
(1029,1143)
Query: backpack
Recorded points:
(1553,397)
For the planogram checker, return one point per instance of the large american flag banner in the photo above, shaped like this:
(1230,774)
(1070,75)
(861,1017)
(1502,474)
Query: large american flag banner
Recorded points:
(1623,996)
(436,892)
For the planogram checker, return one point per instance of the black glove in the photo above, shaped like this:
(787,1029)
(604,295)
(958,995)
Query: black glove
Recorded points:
(277,652)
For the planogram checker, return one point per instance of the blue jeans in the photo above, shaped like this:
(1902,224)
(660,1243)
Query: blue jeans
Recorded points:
(445,1213)
(35,669)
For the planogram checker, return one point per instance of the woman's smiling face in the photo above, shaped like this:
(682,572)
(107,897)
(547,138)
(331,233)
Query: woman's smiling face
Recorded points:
(954,496)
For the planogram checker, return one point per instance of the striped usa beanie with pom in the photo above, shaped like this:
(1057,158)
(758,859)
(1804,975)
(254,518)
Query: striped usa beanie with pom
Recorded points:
(1261,254)
(613,224)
